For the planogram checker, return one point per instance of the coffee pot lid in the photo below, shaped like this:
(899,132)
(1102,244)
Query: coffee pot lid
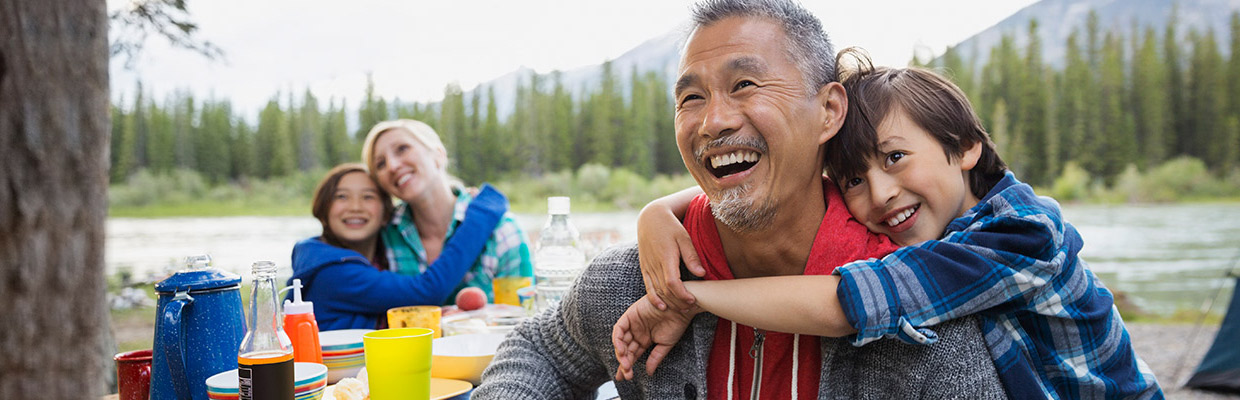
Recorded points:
(197,275)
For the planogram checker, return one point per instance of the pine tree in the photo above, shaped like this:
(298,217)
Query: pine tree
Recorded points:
(1002,77)
(1207,99)
(161,147)
(336,144)
(452,123)
(309,126)
(1177,135)
(1149,101)
(491,163)
(272,148)
(117,172)
(140,123)
(1042,164)
(242,152)
(565,144)
(212,140)
(1233,77)
(373,110)
(639,131)
(183,107)
(1116,147)
(1073,96)
(603,108)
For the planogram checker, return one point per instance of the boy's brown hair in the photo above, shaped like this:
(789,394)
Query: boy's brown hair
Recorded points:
(930,100)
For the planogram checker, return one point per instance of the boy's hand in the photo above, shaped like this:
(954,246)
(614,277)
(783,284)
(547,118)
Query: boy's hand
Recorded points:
(641,326)
(661,243)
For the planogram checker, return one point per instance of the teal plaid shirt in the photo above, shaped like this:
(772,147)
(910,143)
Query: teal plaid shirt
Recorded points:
(506,252)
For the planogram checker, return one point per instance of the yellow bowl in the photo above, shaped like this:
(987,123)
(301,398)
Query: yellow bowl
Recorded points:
(463,357)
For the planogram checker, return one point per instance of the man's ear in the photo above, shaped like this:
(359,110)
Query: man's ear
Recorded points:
(834,102)
(968,160)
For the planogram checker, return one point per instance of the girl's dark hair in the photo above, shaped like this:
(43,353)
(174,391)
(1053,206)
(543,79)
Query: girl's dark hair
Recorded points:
(931,101)
(324,195)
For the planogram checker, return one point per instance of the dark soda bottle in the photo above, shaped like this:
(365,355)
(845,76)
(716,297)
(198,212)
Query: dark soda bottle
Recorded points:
(265,361)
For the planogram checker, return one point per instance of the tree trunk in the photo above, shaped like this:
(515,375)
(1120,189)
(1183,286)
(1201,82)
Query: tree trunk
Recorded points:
(53,184)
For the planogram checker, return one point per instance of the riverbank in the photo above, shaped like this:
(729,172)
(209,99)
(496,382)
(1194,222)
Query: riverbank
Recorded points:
(596,188)
(1173,351)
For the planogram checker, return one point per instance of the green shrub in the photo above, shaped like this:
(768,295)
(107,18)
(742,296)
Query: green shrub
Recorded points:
(1072,185)
(1177,179)
(592,179)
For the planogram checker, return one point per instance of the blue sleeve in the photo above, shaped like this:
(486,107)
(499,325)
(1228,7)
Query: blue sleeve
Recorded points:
(1001,264)
(359,288)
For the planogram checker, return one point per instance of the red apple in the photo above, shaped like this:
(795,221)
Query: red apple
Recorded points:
(471,298)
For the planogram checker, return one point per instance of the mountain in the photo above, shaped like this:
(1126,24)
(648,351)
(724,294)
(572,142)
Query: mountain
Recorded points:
(660,54)
(1058,18)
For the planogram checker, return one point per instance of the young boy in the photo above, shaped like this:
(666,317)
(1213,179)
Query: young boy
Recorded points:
(914,163)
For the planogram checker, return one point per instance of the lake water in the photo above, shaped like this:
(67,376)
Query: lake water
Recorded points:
(1165,257)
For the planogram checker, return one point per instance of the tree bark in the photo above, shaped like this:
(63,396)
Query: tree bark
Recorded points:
(54,132)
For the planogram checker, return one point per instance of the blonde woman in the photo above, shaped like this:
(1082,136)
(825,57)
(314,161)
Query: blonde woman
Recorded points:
(408,160)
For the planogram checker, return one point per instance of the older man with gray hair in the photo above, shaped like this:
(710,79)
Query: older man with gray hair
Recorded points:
(756,86)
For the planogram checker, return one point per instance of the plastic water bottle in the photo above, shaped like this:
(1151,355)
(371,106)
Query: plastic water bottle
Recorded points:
(559,258)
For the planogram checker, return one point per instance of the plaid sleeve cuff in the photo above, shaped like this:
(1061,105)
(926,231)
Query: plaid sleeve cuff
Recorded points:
(867,293)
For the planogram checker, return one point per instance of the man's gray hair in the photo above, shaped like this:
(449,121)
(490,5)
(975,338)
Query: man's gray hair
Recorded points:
(807,44)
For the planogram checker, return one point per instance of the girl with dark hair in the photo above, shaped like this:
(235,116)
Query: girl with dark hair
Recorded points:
(345,270)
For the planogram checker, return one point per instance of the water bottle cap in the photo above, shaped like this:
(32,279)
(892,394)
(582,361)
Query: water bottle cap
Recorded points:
(558,205)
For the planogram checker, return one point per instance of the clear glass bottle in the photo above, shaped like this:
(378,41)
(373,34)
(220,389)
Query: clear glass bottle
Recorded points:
(265,366)
(559,259)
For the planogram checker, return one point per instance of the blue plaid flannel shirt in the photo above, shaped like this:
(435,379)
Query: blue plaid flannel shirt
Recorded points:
(506,252)
(1050,324)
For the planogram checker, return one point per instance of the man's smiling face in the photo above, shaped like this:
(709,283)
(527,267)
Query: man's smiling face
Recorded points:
(747,129)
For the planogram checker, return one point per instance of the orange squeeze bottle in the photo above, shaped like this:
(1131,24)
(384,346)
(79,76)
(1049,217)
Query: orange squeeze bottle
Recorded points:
(301,327)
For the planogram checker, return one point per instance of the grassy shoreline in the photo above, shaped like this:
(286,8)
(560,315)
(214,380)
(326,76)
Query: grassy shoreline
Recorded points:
(597,188)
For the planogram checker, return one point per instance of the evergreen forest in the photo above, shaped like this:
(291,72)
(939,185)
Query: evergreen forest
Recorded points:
(1154,113)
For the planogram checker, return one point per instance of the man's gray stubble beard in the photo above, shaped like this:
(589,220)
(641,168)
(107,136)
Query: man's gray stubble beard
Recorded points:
(741,213)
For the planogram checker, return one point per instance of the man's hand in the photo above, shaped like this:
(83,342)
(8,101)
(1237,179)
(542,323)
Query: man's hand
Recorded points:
(641,326)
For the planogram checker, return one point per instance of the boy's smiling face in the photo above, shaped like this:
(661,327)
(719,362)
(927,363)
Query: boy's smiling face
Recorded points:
(912,189)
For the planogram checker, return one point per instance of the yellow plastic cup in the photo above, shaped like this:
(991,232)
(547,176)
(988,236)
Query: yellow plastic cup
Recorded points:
(398,363)
(416,317)
(505,288)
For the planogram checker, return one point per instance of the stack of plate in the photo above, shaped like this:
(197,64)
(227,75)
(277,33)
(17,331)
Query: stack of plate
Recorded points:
(310,381)
(343,353)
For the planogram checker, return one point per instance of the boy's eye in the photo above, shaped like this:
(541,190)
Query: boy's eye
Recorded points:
(894,156)
(852,182)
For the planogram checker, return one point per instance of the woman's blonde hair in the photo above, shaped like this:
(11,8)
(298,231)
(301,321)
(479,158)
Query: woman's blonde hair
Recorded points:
(420,131)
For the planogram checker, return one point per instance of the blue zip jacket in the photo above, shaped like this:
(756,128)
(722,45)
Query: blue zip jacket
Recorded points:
(349,293)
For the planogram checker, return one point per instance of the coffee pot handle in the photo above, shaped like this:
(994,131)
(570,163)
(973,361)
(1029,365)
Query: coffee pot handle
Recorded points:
(172,338)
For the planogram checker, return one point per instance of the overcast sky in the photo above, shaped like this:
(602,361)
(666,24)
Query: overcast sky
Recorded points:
(415,48)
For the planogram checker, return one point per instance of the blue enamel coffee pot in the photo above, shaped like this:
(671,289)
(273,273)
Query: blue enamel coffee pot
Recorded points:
(198,330)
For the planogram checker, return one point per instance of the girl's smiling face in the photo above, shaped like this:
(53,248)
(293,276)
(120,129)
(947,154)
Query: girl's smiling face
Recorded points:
(356,212)
(912,189)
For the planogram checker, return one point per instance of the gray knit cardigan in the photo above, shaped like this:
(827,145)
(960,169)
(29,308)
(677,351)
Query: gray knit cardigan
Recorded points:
(566,353)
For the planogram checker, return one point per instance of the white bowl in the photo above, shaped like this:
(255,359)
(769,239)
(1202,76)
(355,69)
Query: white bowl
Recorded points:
(463,357)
